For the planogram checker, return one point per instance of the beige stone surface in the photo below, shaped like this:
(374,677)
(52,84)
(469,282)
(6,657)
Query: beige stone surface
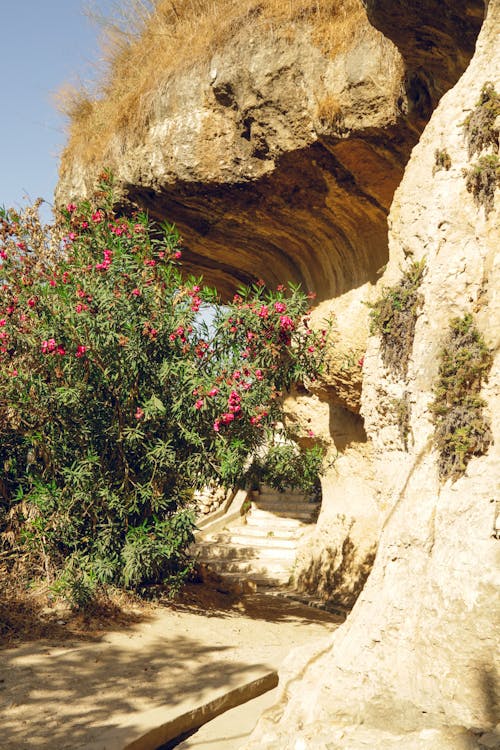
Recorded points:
(109,692)
(416,663)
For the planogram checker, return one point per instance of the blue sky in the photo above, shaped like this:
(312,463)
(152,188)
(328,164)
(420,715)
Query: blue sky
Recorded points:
(43,45)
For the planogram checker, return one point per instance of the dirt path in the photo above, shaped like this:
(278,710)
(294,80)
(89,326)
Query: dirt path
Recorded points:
(66,693)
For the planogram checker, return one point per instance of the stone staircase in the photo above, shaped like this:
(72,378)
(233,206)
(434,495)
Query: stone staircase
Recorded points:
(260,546)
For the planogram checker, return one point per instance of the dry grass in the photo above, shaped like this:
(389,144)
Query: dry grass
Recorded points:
(329,111)
(152,42)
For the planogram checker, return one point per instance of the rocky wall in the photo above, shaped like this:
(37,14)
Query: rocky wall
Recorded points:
(416,664)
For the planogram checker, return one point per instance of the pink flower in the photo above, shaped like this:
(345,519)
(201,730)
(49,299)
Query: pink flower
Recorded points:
(177,255)
(286,323)
(310,349)
(61,350)
(216,425)
(136,292)
(172,337)
(198,404)
(213,392)
(3,255)
(280,307)
(49,346)
(196,288)
(52,282)
(80,350)
(263,312)
(361,362)
(139,413)
(71,207)
(31,302)
(21,245)
(13,373)
(97,217)
(72,236)
(259,375)
(149,262)
(3,322)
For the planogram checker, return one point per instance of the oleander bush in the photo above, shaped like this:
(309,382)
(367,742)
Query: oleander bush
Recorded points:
(117,401)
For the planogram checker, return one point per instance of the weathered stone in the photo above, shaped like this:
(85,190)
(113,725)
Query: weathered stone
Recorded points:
(416,663)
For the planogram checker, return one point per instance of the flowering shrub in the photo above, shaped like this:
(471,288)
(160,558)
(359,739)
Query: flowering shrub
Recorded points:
(117,400)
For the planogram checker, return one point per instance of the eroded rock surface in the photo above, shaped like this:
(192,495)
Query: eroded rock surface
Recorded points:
(416,664)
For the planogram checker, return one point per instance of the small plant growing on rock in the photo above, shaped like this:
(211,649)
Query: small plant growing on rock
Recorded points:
(402,413)
(480,127)
(482,133)
(461,430)
(482,180)
(394,316)
(442,160)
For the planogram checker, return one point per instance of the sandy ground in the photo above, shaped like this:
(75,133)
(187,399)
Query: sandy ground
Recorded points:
(67,690)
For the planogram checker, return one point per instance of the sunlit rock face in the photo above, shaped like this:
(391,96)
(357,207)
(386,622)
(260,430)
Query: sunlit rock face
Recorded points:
(416,664)
(277,161)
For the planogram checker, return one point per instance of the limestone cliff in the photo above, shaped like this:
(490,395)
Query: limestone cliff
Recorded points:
(416,663)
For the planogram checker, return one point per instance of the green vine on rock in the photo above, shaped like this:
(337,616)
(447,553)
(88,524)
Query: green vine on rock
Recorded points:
(394,317)
(461,430)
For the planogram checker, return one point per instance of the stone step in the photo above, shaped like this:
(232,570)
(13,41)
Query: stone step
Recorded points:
(287,492)
(234,551)
(271,516)
(241,539)
(265,497)
(272,568)
(289,509)
(261,580)
(286,592)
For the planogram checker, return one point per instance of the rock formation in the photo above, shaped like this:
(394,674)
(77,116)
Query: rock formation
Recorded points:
(277,159)
(416,663)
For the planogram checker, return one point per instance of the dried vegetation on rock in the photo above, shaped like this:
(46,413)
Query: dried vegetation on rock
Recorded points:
(461,429)
(147,47)
(482,132)
(394,316)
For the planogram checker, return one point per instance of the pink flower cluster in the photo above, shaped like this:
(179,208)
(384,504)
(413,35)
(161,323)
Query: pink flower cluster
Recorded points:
(286,323)
(106,262)
(51,347)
